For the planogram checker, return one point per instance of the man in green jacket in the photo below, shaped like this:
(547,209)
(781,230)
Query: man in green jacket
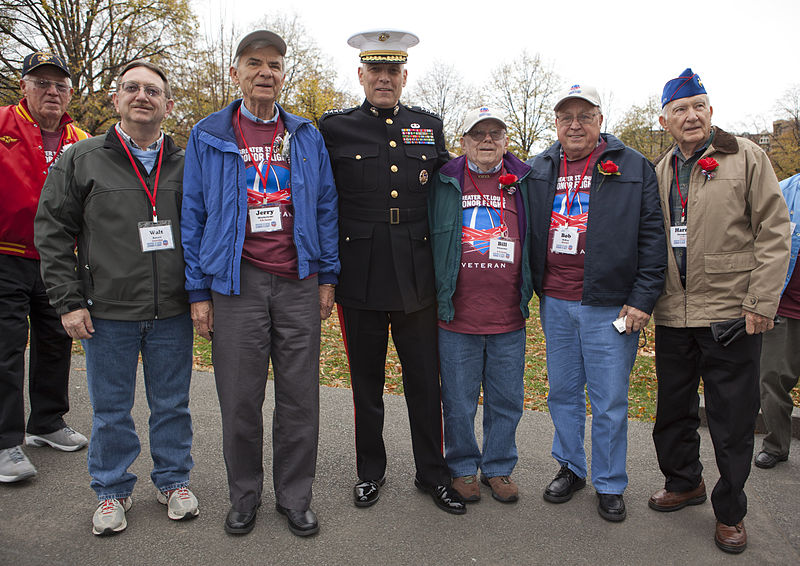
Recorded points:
(119,196)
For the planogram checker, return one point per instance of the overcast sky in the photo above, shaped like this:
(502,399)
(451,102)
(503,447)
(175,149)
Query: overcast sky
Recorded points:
(745,51)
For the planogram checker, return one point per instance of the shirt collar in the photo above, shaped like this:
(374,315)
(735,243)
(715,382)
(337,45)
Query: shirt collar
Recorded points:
(677,152)
(129,140)
(250,116)
(474,168)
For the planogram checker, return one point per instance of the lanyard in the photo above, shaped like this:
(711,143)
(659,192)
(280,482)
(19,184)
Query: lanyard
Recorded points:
(264,177)
(575,188)
(684,201)
(151,196)
(58,150)
(501,212)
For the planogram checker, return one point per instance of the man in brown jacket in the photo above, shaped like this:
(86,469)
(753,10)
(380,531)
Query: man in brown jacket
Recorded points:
(727,226)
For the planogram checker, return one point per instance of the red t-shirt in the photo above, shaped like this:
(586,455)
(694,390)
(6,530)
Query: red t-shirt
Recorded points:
(790,300)
(563,273)
(487,295)
(269,209)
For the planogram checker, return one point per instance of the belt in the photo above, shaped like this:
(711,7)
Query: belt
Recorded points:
(390,215)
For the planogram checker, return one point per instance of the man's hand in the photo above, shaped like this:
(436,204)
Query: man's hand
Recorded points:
(78,324)
(203,318)
(636,320)
(326,294)
(755,323)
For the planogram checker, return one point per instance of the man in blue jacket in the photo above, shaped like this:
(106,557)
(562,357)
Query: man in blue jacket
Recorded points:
(260,240)
(780,357)
(598,256)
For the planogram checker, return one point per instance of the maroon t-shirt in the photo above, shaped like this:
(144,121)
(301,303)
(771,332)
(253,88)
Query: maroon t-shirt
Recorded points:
(790,300)
(50,144)
(563,273)
(487,296)
(269,209)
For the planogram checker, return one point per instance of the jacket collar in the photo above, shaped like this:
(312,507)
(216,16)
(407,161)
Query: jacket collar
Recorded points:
(723,142)
(24,111)
(219,123)
(554,151)
(374,111)
(112,141)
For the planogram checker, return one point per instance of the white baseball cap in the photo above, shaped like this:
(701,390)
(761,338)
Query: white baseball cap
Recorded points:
(584,92)
(477,115)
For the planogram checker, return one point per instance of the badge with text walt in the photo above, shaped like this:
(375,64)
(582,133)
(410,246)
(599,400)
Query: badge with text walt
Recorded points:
(156,236)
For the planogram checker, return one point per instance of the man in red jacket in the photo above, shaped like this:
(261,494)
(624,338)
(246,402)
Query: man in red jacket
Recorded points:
(33,133)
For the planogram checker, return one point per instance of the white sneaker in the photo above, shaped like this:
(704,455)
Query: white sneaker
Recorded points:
(181,503)
(64,439)
(14,465)
(109,518)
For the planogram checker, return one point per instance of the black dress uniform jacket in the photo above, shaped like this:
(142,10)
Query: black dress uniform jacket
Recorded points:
(383,162)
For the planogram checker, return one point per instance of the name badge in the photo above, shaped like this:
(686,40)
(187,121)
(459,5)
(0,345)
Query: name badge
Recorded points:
(501,249)
(677,236)
(565,240)
(156,236)
(265,219)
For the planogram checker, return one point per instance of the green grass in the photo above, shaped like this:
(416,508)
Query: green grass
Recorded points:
(334,370)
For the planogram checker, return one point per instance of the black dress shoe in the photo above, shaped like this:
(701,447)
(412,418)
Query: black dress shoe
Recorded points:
(445,497)
(240,522)
(301,523)
(366,493)
(562,487)
(766,460)
(611,507)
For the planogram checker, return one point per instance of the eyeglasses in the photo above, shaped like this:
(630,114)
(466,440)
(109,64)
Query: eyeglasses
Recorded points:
(480,135)
(585,119)
(43,84)
(132,87)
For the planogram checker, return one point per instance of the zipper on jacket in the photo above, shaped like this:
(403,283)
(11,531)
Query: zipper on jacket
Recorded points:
(236,224)
(155,269)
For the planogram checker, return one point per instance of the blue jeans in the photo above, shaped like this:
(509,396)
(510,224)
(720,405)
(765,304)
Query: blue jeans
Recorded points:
(468,361)
(111,359)
(585,353)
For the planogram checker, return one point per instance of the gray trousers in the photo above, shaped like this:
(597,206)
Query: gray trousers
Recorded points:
(273,318)
(780,368)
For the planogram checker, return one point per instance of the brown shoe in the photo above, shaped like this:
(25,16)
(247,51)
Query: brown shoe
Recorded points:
(664,500)
(468,488)
(504,489)
(731,539)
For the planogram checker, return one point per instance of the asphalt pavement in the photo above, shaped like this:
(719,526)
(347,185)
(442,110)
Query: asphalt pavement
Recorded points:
(47,520)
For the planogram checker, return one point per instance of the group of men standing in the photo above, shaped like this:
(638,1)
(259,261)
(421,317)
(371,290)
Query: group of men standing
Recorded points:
(264,221)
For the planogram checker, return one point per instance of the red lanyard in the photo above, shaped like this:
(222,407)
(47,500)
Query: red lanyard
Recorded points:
(576,188)
(151,196)
(271,147)
(680,194)
(58,150)
(501,212)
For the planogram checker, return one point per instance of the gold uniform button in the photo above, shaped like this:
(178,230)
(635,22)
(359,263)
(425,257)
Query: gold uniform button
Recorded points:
(347,238)
(393,168)
(391,144)
(358,156)
(394,194)
(389,121)
(424,157)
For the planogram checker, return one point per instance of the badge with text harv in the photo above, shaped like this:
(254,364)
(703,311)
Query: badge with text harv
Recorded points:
(156,236)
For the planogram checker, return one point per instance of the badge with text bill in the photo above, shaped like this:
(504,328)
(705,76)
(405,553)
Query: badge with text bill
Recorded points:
(501,249)
(565,240)
(156,236)
(265,219)
(677,236)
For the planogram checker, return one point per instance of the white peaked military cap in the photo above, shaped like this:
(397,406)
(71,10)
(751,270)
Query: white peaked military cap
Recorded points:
(383,46)
(477,115)
(584,92)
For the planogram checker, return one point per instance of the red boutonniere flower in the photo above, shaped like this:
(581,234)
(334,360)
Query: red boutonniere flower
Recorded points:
(608,167)
(509,182)
(708,165)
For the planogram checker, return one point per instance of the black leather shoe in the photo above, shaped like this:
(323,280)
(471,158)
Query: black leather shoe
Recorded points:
(445,497)
(766,460)
(562,487)
(611,507)
(240,522)
(301,523)
(366,493)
